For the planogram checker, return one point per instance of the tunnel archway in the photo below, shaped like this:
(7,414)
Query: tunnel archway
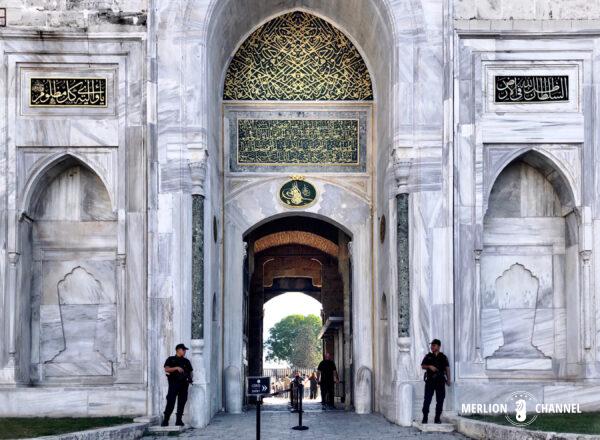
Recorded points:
(307,255)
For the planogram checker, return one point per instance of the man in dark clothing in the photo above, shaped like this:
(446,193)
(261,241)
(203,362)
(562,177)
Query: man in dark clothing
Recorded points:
(437,376)
(327,376)
(179,373)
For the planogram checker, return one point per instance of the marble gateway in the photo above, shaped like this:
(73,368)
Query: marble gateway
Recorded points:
(423,168)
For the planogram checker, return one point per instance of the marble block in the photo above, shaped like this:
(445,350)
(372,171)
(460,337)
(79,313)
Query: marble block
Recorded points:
(514,363)
(434,427)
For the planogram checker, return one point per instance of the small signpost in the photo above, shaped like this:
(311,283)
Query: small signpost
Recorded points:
(258,386)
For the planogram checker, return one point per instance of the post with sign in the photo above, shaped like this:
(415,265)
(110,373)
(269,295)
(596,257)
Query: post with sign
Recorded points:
(258,386)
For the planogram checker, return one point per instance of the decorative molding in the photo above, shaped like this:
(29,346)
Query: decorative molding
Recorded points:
(524,86)
(68,89)
(297,138)
(401,166)
(198,173)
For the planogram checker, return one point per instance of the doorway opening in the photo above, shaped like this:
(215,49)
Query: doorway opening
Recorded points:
(309,257)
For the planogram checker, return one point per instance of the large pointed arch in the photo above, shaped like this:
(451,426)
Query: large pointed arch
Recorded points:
(297,56)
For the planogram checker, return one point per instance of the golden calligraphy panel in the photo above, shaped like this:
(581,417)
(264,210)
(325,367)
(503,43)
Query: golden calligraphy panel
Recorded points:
(297,57)
(319,142)
(67,92)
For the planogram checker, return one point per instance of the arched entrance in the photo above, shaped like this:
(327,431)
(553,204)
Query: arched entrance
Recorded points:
(308,255)
(298,161)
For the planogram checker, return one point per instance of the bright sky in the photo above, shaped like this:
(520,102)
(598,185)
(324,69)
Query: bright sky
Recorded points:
(291,303)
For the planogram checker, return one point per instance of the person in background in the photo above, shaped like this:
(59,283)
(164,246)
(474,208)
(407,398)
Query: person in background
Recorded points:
(437,376)
(313,385)
(327,377)
(179,374)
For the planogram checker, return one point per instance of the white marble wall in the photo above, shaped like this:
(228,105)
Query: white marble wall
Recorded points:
(435,135)
(74,219)
(523,230)
(532,10)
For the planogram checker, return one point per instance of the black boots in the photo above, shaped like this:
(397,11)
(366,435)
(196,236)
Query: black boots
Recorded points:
(165,421)
(437,419)
(424,421)
(178,421)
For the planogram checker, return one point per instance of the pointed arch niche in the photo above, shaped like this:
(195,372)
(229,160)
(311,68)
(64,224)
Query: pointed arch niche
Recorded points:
(68,242)
(530,271)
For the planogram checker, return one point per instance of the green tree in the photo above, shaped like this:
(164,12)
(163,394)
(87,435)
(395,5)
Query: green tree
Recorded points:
(295,340)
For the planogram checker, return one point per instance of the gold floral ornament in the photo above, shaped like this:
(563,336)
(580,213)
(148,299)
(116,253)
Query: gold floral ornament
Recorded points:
(298,57)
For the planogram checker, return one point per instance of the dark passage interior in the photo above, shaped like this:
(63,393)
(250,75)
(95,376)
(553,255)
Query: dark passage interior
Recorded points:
(307,255)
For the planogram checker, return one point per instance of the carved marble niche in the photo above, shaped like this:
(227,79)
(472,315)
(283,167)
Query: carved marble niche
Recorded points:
(73,242)
(529,256)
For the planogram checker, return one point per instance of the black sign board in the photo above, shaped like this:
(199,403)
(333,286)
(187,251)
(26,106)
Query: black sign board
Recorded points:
(259,386)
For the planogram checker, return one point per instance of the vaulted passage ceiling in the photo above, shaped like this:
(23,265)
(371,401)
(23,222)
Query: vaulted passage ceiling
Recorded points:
(296,237)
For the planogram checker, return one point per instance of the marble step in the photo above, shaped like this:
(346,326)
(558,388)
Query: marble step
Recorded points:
(165,430)
(434,427)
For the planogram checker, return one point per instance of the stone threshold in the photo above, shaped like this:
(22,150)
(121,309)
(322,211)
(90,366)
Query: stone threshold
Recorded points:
(434,427)
(130,431)
(166,430)
(477,429)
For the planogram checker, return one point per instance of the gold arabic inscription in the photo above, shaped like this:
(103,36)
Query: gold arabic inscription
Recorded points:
(298,141)
(298,57)
(67,92)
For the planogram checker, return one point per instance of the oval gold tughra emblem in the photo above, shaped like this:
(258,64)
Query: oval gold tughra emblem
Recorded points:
(297,193)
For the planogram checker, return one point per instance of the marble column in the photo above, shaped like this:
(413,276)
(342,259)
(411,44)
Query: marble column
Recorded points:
(477,307)
(121,311)
(233,316)
(402,261)
(197,266)
(8,374)
(586,302)
(362,334)
(199,393)
(403,388)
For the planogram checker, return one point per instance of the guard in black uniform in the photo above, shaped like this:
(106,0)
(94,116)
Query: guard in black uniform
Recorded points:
(437,376)
(327,376)
(179,373)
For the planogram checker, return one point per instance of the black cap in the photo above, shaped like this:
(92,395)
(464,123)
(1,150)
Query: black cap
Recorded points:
(437,342)
(181,346)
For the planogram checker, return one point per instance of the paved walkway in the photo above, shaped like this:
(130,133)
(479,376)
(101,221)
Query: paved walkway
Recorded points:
(333,425)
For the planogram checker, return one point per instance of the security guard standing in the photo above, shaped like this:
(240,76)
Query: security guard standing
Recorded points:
(179,374)
(437,376)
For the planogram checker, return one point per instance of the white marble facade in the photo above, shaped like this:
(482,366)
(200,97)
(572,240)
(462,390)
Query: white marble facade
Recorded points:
(96,206)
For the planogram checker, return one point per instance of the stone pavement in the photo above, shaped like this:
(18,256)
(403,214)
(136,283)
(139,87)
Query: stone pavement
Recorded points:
(331,425)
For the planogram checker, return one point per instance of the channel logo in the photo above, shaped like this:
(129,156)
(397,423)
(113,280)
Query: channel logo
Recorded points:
(517,406)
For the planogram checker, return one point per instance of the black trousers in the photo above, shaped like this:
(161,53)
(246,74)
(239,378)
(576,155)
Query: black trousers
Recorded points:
(327,397)
(177,391)
(439,388)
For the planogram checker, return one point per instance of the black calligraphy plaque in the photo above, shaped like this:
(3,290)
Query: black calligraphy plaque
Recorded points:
(319,142)
(67,92)
(531,88)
